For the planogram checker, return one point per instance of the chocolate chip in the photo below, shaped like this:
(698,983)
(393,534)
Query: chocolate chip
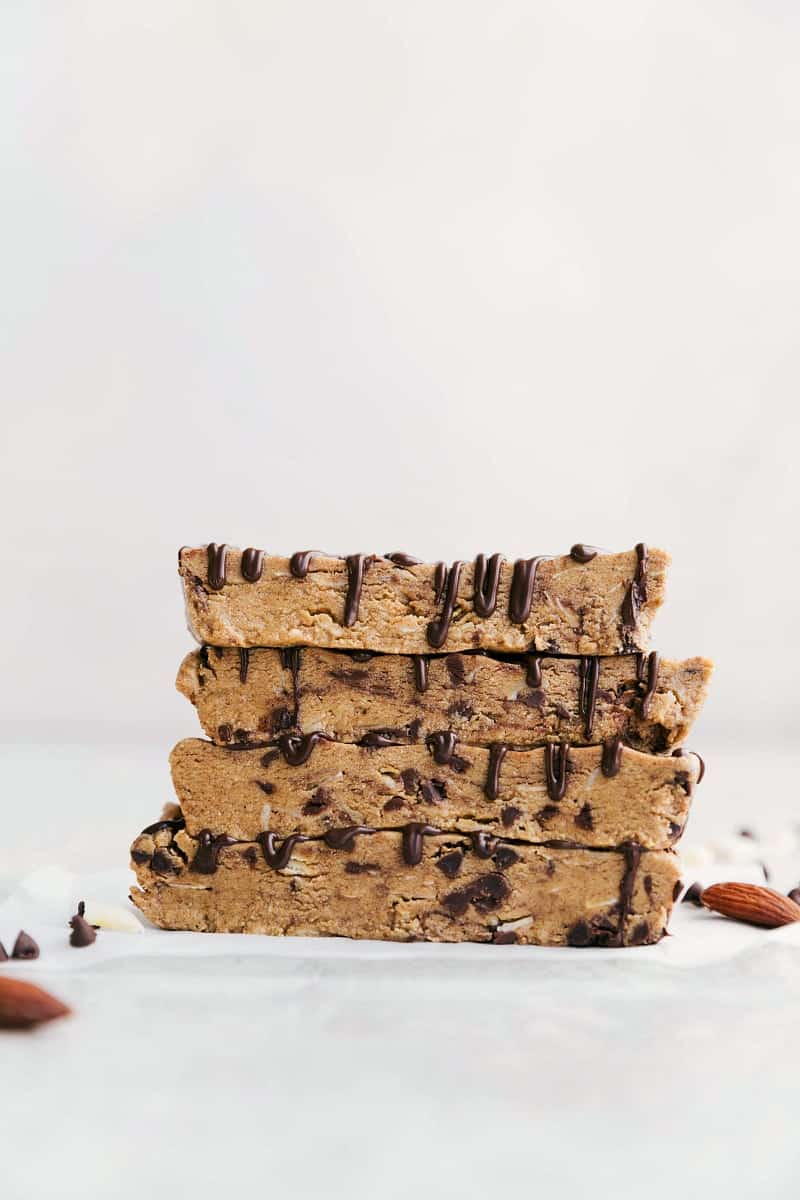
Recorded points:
(648,884)
(584,819)
(450,864)
(163,864)
(460,765)
(599,930)
(410,779)
(433,790)
(534,699)
(82,932)
(269,758)
(140,856)
(676,891)
(225,733)
(250,855)
(25,946)
(509,815)
(320,799)
(414,728)
(504,858)
(357,868)
(394,804)
(505,938)
(675,831)
(640,934)
(547,813)
(455,668)
(693,894)
(486,893)
(682,780)
(269,788)
(280,719)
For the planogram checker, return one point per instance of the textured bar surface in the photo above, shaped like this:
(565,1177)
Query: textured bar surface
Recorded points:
(244,792)
(248,695)
(521,893)
(604,606)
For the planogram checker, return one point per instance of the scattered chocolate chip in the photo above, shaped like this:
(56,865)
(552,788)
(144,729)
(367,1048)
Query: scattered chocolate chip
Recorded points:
(25,946)
(640,934)
(433,790)
(486,893)
(682,780)
(164,864)
(140,856)
(269,758)
(82,932)
(250,855)
(225,733)
(506,937)
(450,864)
(584,819)
(509,815)
(547,813)
(394,804)
(599,930)
(504,857)
(534,699)
(267,788)
(455,668)
(410,779)
(693,895)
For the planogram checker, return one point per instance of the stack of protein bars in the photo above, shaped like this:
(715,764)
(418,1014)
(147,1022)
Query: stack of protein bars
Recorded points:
(477,752)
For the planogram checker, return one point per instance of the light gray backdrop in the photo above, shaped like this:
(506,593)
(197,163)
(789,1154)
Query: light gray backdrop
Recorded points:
(448,277)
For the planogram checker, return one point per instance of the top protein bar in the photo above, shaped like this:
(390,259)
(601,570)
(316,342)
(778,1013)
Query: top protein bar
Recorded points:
(584,602)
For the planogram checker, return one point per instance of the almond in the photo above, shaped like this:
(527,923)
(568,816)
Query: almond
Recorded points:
(748,902)
(23,1005)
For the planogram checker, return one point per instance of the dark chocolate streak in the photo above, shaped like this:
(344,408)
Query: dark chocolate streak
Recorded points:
(403,560)
(296,748)
(420,672)
(556,760)
(636,594)
(357,567)
(217,564)
(486,582)
(651,682)
(290,659)
(587,696)
(611,758)
(244,664)
(208,849)
(275,855)
(582,553)
(345,838)
(533,670)
(522,583)
(413,836)
(680,752)
(438,630)
(497,753)
(633,854)
(300,562)
(252,564)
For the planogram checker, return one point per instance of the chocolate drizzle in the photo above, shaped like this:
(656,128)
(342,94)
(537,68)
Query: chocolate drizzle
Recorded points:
(633,854)
(244,664)
(486,582)
(420,672)
(217,565)
(252,564)
(611,758)
(277,855)
(649,677)
(522,583)
(300,562)
(379,739)
(680,752)
(483,843)
(290,658)
(497,753)
(587,696)
(403,560)
(345,837)
(533,670)
(442,746)
(636,594)
(438,630)
(357,567)
(556,762)
(296,748)
(413,836)
(208,851)
(174,826)
(581,553)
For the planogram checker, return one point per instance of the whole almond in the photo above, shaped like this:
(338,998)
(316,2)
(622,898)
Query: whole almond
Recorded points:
(23,1005)
(751,903)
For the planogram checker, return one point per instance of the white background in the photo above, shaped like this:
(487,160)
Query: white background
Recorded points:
(448,277)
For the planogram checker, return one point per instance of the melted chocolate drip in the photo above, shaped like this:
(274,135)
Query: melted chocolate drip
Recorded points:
(483,843)
(582,553)
(296,748)
(636,594)
(612,757)
(420,672)
(277,855)
(345,838)
(497,753)
(443,746)
(290,659)
(300,562)
(252,564)
(439,629)
(403,560)
(587,697)
(413,836)
(522,583)
(556,760)
(217,565)
(680,752)
(244,664)
(208,850)
(439,580)
(650,680)
(633,854)
(533,670)
(486,583)
(357,567)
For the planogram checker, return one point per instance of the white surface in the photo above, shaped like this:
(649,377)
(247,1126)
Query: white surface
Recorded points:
(207,1064)
(441,275)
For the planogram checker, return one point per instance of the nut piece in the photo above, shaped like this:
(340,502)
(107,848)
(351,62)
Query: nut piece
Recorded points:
(748,902)
(111,916)
(23,1005)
